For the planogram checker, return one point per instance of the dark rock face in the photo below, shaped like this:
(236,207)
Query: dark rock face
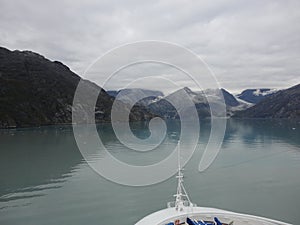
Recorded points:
(282,104)
(229,99)
(255,95)
(35,91)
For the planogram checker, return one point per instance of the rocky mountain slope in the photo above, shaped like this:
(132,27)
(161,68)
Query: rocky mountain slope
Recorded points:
(35,91)
(282,104)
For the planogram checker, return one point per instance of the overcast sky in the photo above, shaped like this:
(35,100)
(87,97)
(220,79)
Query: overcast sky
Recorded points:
(246,43)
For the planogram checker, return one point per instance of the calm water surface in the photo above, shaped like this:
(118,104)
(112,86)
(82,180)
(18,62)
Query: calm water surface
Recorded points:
(44,180)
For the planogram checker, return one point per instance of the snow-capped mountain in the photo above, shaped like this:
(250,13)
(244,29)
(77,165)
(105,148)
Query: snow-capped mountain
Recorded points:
(160,105)
(203,100)
(282,104)
(256,95)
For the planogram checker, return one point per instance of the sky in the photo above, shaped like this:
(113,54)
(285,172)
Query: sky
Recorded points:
(247,44)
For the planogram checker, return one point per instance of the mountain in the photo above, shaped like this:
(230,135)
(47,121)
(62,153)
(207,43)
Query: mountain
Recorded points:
(142,96)
(229,99)
(201,99)
(35,91)
(164,107)
(282,104)
(256,95)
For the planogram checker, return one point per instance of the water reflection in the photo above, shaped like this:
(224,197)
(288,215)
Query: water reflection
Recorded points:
(33,160)
(44,180)
(252,130)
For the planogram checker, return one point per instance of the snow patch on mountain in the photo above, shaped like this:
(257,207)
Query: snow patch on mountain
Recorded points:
(259,92)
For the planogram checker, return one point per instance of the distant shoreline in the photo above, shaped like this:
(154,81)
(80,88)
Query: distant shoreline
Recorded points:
(294,120)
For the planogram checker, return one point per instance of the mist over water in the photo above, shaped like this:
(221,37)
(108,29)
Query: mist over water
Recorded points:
(45,180)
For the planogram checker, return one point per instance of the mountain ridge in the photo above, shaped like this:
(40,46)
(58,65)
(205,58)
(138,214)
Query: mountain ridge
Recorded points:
(35,91)
(282,104)
(202,100)
(255,95)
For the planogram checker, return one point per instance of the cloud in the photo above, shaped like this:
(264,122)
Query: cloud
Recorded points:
(246,43)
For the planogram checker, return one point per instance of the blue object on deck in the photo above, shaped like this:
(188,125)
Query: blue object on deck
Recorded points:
(201,223)
(191,222)
(171,223)
(217,221)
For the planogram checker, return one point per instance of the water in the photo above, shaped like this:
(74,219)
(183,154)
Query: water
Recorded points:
(44,179)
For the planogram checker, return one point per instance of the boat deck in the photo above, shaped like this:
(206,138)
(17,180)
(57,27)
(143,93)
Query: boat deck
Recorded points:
(170,215)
